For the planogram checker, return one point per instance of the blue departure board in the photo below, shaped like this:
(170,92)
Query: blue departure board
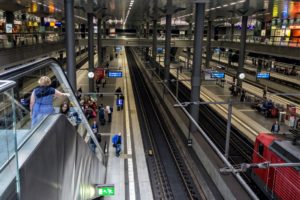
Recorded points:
(115,74)
(263,75)
(217,75)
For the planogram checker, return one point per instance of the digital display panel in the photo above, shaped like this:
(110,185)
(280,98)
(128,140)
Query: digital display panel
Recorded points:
(263,75)
(115,74)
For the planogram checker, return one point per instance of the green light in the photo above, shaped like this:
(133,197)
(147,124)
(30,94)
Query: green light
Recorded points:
(106,191)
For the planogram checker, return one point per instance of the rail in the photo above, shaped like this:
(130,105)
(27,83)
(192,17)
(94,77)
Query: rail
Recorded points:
(26,77)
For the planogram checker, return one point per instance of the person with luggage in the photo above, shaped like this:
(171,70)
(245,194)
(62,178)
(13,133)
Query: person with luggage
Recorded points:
(122,101)
(117,141)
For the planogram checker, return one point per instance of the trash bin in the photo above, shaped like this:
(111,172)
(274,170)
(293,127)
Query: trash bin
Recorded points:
(281,116)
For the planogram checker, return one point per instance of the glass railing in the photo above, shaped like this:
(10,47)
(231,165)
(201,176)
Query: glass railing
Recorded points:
(272,40)
(26,78)
(7,109)
(14,40)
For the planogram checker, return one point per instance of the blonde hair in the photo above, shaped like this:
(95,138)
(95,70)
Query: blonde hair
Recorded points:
(44,81)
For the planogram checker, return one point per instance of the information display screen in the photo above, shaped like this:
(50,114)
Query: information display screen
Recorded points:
(263,75)
(160,50)
(218,75)
(115,74)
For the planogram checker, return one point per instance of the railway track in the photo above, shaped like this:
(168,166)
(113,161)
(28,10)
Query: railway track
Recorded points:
(170,178)
(211,122)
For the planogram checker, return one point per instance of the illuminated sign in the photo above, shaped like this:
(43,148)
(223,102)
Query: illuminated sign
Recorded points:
(118,49)
(263,75)
(105,190)
(58,24)
(115,74)
(295,27)
(160,50)
(51,7)
(217,75)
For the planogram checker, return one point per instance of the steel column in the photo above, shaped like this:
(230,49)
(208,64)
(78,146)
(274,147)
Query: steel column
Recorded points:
(91,49)
(197,62)
(190,36)
(167,47)
(99,39)
(154,43)
(228,128)
(242,49)
(70,42)
(232,32)
(208,44)
(104,29)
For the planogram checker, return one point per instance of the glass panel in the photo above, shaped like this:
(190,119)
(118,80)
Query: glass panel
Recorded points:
(6,127)
(29,95)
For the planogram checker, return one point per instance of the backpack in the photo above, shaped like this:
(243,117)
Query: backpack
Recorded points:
(111,109)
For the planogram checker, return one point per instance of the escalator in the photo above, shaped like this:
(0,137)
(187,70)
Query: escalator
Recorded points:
(54,158)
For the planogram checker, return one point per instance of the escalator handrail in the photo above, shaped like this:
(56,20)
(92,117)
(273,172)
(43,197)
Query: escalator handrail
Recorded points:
(20,71)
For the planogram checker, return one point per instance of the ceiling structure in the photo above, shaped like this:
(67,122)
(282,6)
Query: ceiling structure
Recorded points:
(136,12)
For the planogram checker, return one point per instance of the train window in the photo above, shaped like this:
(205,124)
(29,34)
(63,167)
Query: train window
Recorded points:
(261,149)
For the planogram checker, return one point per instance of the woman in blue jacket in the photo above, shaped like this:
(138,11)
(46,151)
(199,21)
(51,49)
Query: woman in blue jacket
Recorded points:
(41,101)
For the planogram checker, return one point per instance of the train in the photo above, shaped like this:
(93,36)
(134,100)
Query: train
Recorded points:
(281,182)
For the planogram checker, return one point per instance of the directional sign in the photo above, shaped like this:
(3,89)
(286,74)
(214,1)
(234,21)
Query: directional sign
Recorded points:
(263,75)
(217,75)
(115,74)
(106,190)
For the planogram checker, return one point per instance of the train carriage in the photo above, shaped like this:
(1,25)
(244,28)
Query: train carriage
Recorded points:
(277,183)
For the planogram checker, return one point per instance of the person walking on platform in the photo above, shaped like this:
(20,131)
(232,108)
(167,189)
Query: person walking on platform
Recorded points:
(275,127)
(108,110)
(122,101)
(117,141)
(94,127)
(103,81)
(118,92)
(41,101)
(101,115)
(243,96)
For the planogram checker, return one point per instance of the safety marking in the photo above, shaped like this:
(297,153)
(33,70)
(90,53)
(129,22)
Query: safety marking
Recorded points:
(129,148)
(246,110)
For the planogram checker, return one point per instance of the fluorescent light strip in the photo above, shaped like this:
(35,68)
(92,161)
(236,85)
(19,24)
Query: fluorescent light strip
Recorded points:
(128,12)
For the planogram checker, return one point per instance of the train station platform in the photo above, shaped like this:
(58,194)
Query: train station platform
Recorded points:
(128,172)
(244,117)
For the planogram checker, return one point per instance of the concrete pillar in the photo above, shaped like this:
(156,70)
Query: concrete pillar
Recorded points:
(99,39)
(70,42)
(208,44)
(242,49)
(197,61)
(168,47)
(91,49)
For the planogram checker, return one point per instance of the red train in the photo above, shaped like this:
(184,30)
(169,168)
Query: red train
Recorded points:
(277,183)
